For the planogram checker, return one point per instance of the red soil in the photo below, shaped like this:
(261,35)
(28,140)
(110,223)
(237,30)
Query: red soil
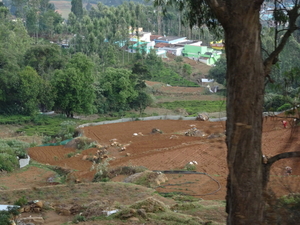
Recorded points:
(172,150)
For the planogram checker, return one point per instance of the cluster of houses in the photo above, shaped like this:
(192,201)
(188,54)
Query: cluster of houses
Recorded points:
(143,42)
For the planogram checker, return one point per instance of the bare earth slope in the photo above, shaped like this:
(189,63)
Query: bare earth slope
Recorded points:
(171,150)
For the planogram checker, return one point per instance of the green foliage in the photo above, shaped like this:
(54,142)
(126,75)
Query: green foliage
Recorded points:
(194,107)
(168,76)
(77,8)
(187,69)
(44,58)
(142,101)
(190,167)
(21,201)
(28,91)
(14,41)
(284,107)
(46,125)
(118,88)
(6,216)
(16,119)
(78,219)
(218,72)
(14,147)
(74,86)
(179,59)
(8,162)
(67,129)
(288,208)
(101,170)
(275,102)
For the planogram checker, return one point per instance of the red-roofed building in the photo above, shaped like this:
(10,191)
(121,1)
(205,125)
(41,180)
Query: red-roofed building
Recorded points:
(161,45)
(154,37)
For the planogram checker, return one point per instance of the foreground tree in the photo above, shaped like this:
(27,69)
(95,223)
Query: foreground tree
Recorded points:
(246,75)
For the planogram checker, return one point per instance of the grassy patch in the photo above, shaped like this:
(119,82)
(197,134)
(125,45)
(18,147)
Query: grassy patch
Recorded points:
(16,119)
(168,76)
(44,125)
(195,107)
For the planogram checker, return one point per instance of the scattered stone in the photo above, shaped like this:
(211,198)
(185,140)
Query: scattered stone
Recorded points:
(35,220)
(202,117)
(174,137)
(133,219)
(215,135)
(156,130)
(147,178)
(194,132)
(142,213)
(150,205)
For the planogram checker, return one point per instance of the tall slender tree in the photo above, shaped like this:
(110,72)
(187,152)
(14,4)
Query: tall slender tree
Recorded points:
(77,8)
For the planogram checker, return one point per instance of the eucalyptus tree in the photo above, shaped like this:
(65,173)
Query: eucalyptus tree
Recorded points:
(246,75)
(14,42)
(77,8)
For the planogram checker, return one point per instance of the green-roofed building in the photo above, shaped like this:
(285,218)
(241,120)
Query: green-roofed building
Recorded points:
(203,54)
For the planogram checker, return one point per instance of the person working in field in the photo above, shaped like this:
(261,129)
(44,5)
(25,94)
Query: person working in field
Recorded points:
(284,123)
(288,170)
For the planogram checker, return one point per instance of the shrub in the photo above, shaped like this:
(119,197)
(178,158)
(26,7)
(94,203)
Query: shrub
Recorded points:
(287,209)
(284,107)
(21,201)
(79,218)
(6,216)
(8,162)
(14,147)
(190,167)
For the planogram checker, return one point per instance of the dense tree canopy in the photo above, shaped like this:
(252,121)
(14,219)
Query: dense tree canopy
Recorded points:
(218,72)
(118,88)
(74,86)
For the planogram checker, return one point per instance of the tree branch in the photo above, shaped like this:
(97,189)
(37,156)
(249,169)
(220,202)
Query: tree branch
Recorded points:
(270,161)
(219,8)
(273,57)
(284,155)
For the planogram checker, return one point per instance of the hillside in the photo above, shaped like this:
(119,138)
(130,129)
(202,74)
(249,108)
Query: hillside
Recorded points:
(169,150)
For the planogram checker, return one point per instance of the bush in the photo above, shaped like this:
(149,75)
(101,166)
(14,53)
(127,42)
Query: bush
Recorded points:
(190,167)
(288,209)
(284,107)
(14,147)
(6,216)
(79,218)
(21,201)
(274,102)
(8,162)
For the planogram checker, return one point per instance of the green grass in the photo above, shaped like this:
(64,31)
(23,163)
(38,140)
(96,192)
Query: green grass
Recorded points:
(168,76)
(16,119)
(44,125)
(194,107)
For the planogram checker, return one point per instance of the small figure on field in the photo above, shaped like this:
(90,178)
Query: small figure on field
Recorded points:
(284,123)
(288,170)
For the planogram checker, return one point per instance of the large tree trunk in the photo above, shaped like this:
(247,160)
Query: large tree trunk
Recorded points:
(245,85)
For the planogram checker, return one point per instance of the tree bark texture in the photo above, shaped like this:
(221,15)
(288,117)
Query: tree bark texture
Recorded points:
(245,89)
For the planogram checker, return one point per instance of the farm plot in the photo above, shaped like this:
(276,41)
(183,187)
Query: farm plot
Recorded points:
(168,148)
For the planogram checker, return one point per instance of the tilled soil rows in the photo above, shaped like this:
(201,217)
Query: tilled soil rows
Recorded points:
(164,145)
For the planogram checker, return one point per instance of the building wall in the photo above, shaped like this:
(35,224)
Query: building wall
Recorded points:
(198,53)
